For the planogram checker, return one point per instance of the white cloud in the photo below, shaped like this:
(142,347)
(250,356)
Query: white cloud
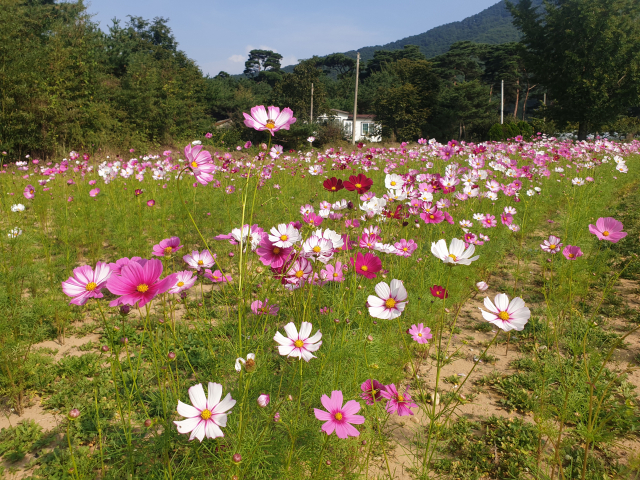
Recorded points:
(236,58)
(289,60)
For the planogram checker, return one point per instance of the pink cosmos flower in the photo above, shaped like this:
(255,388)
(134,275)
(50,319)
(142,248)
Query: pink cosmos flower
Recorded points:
(184,281)
(86,283)
(264,308)
(506,315)
(200,163)
(94,192)
(271,119)
(489,221)
(420,333)
(151,203)
(405,248)
(167,247)
(299,271)
(124,261)
(217,277)
(608,228)
(371,391)
(205,417)
(506,219)
(198,260)
(398,403)
(390,302)
(29,192)
(367,264)
(369,241)
(338,417)
(432,217)
(572,252)
(551,245)
(296,344)
(271,255)
(138,284)
(312,219)
(333,274)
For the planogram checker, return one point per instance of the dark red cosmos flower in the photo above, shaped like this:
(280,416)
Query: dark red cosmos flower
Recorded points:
(137,192)
(359,183)
(333,184)
(440,292)
(360,145)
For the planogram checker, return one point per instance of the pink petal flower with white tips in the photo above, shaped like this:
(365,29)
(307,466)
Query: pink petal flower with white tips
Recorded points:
(271,119)
(506,315)
(206,416)
(296,344)
(390,302)
(608,228)
(339,417)
(86,283)
(184,281)
(198,260)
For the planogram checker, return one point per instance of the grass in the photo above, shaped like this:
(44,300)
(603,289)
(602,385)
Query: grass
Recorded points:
(570,402)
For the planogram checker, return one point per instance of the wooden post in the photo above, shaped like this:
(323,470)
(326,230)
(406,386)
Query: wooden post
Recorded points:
(311,117)
(355,103)
(502,104)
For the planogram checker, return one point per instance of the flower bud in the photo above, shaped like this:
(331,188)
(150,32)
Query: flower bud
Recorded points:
(276,417)
(369,338)
(183,295)
(124,310)
(171,356)
(328,462)
(105,348)
(237,458)
(124,340)
(263,400)
(73,414)
(147,423)
(290,398)
(482,286)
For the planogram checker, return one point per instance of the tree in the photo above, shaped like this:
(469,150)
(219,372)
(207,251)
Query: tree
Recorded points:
(586,53)
(261,61)
(404,108)
(339,63)
(385,58)
(294,90)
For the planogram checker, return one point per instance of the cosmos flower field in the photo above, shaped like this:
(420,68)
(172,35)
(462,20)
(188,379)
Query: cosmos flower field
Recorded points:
(261,313)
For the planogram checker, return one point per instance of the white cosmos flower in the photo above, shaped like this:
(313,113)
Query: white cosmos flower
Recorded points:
(390,301)
(577,181)
(296,344)
(341,205)
(18,207)
(284,235)
(317,248)
(375,205)
(249,363)
(393,181)
(455,254)
(334,237)
(506,315)
(205,417)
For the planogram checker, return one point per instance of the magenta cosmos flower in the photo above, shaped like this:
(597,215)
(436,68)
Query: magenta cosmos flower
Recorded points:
(398,403)
(200,163)
(572,252)
(298,345)
(116,267)
(29,192)
(367,264)
(608,228)
(206,416)
(504,314)
(390,301)
(272,255)
(86,283)
(551,245)
(184,281)
(420,333)
(264,308)
(405,248)
(198,260)
(338,417)
(167,247)
(271,119)
(371,391)
(138,284)
(217,276)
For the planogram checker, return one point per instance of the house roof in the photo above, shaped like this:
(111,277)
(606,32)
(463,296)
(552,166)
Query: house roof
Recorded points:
(339,111)
(362,116)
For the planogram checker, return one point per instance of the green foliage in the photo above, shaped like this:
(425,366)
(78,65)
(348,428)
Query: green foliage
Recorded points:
(262,62)
(510,130)
(294,90)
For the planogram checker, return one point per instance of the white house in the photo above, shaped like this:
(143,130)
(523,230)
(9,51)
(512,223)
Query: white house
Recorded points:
(366,126)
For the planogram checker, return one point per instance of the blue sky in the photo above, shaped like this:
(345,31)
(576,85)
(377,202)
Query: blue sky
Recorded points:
(218,34)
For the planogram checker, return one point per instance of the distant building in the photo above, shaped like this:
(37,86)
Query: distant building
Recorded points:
(366,126)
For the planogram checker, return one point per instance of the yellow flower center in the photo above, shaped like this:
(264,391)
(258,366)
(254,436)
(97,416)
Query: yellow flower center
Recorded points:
(364,268)
(276,250)
(283,237)
(358,185)
(455,259)
(405,249)
(571,255)
(194,165)
(316,249)
(419,334)
(504,316)
(338,416)
(335,275)
(91,286)
(180,284)
(298,343)
(270,124)
(205,415)
(605,233)
(393,184)
(552,246)
(299,273)
(333,188)
(168,250)
(390,303)
(142,288)
(432,216)
(400,398)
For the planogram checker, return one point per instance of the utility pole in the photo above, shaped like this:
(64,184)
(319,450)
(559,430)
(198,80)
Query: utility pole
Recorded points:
(355,103)
(311,117)
(502,105)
